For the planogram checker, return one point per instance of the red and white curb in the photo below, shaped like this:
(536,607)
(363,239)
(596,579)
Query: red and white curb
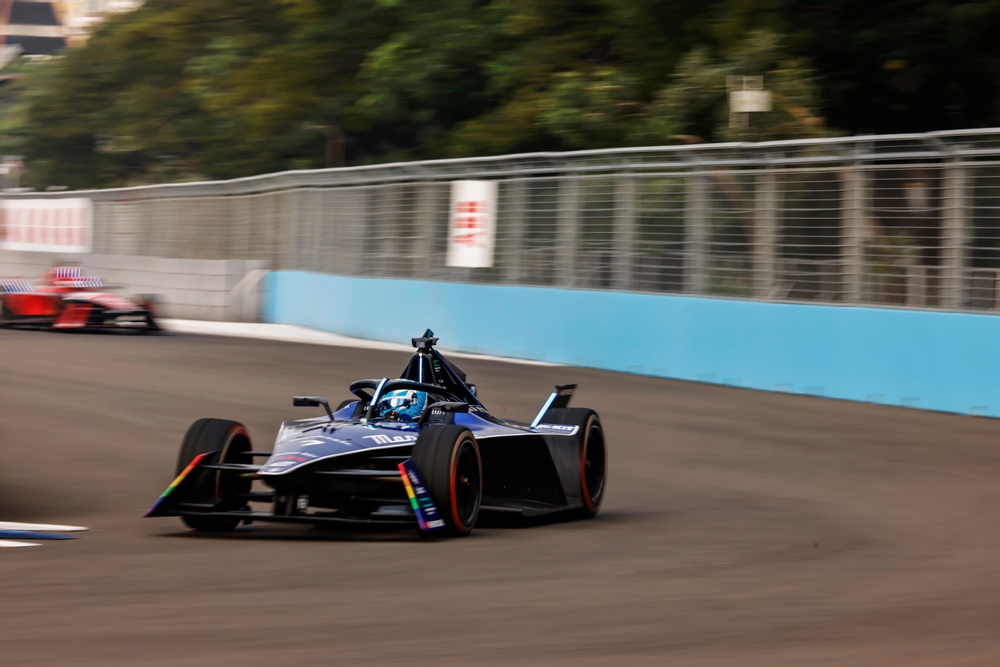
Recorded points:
(11,544)
(34,527)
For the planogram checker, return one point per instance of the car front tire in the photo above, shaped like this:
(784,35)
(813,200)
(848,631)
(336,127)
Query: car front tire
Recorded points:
(229,441)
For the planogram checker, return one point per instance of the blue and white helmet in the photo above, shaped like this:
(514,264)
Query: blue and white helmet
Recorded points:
(406,403)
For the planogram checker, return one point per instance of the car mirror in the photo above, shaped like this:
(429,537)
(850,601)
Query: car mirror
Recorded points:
(313,402)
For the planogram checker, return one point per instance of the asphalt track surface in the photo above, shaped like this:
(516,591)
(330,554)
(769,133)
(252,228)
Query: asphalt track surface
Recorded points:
(740,528)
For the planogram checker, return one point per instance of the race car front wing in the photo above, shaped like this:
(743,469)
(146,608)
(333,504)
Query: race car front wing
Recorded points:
(422,508)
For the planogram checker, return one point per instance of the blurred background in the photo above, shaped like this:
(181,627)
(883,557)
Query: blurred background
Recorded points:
(230,157)
(682,201)
(175,90)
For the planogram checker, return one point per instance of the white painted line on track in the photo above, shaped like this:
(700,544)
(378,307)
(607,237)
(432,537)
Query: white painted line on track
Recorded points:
(291,333)
(9,544)
(43,527)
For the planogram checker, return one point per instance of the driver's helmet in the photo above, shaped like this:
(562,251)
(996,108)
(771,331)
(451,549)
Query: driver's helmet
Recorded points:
(405,403)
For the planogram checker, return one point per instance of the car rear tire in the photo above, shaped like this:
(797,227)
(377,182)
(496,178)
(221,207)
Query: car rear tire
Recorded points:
(151,326)
(229,442)
(593,454)
(447,458)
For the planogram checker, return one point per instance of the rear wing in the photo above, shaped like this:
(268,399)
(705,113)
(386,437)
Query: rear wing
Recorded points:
(558,399)
(74,276)
(88,281)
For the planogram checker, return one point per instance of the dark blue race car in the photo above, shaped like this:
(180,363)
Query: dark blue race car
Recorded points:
(417,450)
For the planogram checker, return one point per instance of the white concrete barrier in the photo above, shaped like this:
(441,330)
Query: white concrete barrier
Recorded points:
(226,290)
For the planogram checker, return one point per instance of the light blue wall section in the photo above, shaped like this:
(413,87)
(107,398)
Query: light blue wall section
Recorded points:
(940,361)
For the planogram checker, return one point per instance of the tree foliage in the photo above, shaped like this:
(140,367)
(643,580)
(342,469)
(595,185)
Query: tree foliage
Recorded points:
(192,89)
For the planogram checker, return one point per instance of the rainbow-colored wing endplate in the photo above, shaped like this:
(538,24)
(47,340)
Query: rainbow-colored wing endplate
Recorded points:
(428,517)
(154,510)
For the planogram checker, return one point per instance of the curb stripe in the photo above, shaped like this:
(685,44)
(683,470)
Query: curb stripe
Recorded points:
(7,544)
(45,527)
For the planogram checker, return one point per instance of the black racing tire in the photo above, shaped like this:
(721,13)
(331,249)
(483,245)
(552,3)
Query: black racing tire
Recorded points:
(344,403)
(5,315)
(152,326)
(593,454)
(447,458)
(229,442)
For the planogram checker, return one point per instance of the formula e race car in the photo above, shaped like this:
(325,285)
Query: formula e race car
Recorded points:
(419,450)
(65,299)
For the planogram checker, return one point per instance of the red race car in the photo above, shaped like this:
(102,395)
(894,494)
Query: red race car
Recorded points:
(65,299)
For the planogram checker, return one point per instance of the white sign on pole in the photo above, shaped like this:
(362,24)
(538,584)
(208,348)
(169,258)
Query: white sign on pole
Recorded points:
(750,101)
(472,228)
(46,225)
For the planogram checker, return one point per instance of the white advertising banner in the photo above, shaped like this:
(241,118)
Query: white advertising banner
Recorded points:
(473,225)
(46,225)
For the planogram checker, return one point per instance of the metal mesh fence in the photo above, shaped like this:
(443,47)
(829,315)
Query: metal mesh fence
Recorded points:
(906,220)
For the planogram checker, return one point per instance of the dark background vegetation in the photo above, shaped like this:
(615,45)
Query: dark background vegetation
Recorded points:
(193,89)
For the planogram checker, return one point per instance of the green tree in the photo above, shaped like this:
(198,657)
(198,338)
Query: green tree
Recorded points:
(902,65)
(185,89)
(191,89)
(697,99)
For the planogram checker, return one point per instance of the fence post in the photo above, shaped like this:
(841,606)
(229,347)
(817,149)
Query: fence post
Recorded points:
(290,223)
(121,239)
(389,248)
(106,228)
(696,223)
(566,231)
(317,200)
(516,201)
(855,196)
(237,232)
(765,232)
(424,220)
(105,223)
(226,224)
(354,218)
(133,210)
(328,238)
(626,193)
(955,233)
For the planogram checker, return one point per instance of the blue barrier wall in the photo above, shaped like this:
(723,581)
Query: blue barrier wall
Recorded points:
(939,361)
